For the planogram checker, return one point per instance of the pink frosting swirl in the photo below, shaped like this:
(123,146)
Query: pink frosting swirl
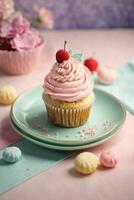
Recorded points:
(68,81)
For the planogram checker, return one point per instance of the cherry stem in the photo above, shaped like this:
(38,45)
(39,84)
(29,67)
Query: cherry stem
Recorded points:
(65,44)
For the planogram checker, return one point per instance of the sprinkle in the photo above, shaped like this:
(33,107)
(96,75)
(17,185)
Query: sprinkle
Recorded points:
(108,124)
(91,130)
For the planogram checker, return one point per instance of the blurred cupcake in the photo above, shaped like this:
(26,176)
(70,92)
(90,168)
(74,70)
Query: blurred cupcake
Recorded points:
(68,93)
(20,46)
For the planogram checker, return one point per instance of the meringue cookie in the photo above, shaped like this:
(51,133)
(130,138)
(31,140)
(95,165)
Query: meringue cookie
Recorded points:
(7,94)
(108,159)
(86,163)
(11,154)
(106,75)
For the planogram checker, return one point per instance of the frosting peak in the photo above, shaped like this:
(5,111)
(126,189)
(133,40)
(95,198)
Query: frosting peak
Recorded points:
(67,71)
(68,81)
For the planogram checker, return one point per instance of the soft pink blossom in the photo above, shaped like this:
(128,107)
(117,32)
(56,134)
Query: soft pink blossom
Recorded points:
(36,36)
(46,18)
(26,41)
(16,24)
(21,35)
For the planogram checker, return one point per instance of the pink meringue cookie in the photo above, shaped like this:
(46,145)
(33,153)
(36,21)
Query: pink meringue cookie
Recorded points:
(108,159)
(106,75)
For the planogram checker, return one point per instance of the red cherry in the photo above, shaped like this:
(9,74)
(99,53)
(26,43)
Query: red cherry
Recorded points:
(62,55)
(91,64)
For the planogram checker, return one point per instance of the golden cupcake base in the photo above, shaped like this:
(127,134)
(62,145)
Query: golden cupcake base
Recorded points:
(68,117)
(68,114)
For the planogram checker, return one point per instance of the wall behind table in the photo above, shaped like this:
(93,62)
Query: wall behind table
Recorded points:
(85,13)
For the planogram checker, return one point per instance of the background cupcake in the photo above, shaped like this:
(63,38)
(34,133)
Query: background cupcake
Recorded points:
(21,46)
(68,91)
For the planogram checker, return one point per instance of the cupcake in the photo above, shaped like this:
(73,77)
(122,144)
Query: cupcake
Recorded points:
(68,91)
(20,46)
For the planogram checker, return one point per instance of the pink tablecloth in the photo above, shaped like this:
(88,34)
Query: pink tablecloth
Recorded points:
(112,48)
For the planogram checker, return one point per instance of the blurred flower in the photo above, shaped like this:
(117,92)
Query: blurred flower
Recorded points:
(28,40)
(44,17)
(14,25)
(17,34)
(6,8)
(23,42)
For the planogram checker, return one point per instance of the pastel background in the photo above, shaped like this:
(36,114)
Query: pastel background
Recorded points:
(73,14)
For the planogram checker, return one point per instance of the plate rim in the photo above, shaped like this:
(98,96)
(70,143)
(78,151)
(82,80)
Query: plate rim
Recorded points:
(77,142)
(111,134)
(63,148)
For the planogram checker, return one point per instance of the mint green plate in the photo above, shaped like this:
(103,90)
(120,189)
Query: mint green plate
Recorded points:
(56,146)
(29,114)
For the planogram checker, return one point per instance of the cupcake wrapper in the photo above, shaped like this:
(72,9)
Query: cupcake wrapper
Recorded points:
(23,62)
(68,117)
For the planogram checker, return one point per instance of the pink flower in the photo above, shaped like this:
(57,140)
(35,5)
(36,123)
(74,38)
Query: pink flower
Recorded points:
(36,36)
(21,36)
(16,24)
(45,18)
(26,41)
(19,25)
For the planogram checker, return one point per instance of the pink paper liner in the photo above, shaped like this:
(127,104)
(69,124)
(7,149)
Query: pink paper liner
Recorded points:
(24,62)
